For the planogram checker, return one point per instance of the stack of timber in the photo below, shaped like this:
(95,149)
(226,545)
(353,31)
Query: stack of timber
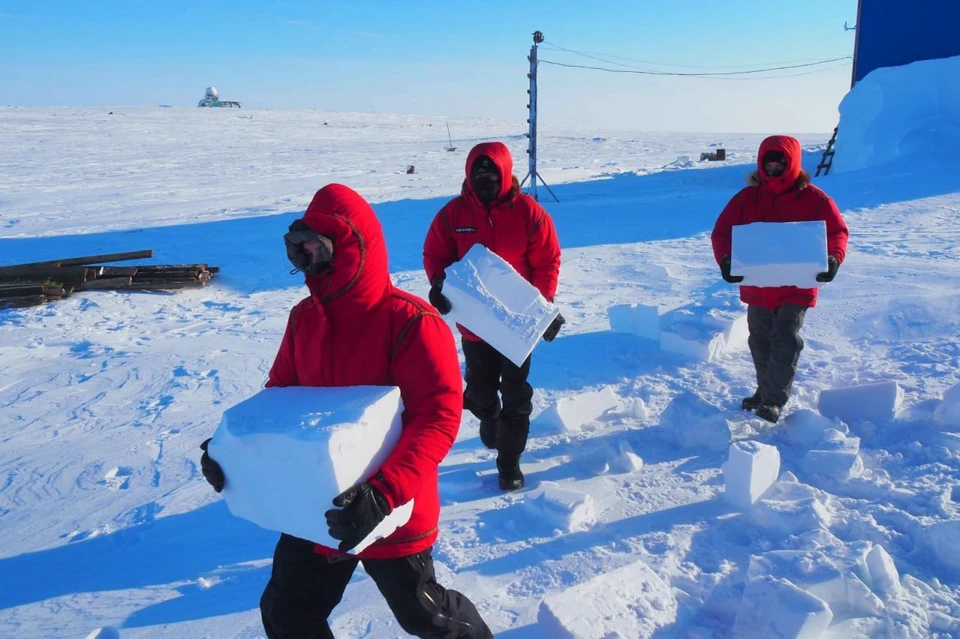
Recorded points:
(39,282)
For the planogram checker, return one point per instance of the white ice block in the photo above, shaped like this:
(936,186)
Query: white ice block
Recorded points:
(632,601)
(837,456)
(882,574)
(490,299)
(569,414)
(636,319)
(777,608)
(564,509)
(947,413)
(944,539)
(692,422)
(877,403)
(749,471)
(703,332)
(779,253)
(287,452)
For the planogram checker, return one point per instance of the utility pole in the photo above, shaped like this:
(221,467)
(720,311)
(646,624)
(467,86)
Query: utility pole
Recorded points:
(532,121)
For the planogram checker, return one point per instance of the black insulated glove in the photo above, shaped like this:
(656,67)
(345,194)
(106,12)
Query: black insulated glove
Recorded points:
(725,271)
(363,508)
(211,470)
(833,265)
(437,298)
(554,328)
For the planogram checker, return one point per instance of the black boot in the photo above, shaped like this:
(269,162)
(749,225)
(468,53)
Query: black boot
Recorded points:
(751,403)
(488,432)
(510,476)
(769,412)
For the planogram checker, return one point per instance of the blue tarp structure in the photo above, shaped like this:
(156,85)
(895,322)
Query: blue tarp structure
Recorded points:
(896,32)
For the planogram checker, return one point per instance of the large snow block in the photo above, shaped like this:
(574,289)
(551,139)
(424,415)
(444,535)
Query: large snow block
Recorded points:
(947,414)
(791,508)
(287,452)
(877,403)
(749,471)
(609,459)
(632,601)
(836,456)
(692,422)
(569,414)
(944,540)
(779,253)
(703,332)
(777,608)
(805,428)
(636,319)
(879,571)
(490,299)
(564,509)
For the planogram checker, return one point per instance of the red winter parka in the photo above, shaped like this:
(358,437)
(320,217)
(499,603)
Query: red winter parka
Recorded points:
(787,198)
(515,227)
(357,329)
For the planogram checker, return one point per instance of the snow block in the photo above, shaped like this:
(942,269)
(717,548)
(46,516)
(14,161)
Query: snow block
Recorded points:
(492,300)
(306,445)
(777,608)
(877,403)
(632,601)
(703,332)
(565,509)
(947,413)
(836,456)
(880,572)
(692,422)
(569,414)
(944,540)
(749,471)
(607,459)
(816,573)
(791,508)
(779,253)
(636,319)
(805,428)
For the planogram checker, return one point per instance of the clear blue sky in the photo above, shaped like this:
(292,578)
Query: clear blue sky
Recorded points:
(432,57)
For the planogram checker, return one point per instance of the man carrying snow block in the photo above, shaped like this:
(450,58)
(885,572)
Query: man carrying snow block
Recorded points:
(779,191)
(492,211)
(356,329)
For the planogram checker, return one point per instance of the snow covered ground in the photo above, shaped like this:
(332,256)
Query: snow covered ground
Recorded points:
(105,520)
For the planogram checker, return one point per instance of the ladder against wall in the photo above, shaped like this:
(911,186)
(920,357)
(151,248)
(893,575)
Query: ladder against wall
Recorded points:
(827,161)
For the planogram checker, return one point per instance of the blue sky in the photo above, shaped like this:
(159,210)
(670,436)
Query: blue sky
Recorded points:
(429,57)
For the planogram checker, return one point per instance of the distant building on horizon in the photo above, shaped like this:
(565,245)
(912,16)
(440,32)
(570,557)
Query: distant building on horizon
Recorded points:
(212,99)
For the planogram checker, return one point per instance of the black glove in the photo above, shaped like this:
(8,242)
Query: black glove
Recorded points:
(363,507)
(725,271)
(211,470)
(438,299)
(833,264)
(554,328)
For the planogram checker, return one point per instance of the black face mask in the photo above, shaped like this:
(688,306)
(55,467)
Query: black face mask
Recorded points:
(299,233)
(485,179)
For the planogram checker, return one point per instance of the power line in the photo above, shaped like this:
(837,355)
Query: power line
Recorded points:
(796,64)
(712,76)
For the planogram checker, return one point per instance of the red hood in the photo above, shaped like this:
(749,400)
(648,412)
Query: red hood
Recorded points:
(360,276)
(500,155)
(792,152)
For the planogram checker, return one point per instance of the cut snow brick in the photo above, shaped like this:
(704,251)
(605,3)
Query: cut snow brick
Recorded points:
(607,459)
(944,540)
(692,422)
(749,471)
(703,332)
(287,452)
(880,572)
(562,508)
(836,456)
(947,413)
(632,601)
(776,608)
(804,428)
(569,414)
(492,300)
(636,319)
(815,572)
(779,253)
(877,403)
(791,508)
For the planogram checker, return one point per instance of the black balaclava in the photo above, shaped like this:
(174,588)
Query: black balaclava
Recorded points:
(485,179)
(299,233)
(774,156)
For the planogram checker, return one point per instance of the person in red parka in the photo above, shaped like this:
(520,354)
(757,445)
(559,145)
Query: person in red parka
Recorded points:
(357,329)
(492,211)
(779,191)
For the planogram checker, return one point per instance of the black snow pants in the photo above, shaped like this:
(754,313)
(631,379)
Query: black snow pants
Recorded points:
(775,345)
(305,587)
(489,373)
